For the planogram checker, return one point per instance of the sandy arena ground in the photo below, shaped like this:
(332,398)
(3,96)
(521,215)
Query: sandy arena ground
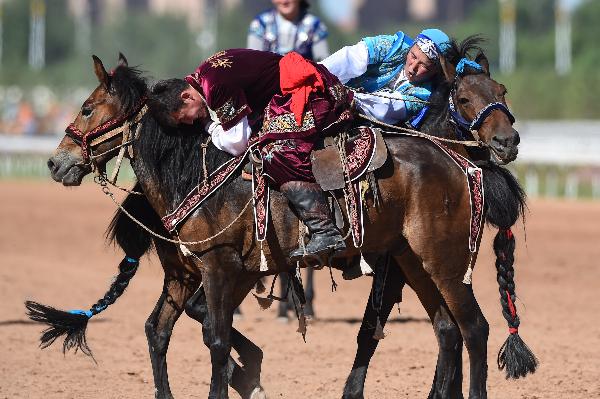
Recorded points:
(52,250)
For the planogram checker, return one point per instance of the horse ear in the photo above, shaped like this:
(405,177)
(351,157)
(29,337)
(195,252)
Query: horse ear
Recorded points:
(101,73)
(448,69)
(122,60)
(482,60)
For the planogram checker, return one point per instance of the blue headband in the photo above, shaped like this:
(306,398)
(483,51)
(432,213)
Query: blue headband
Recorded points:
(460,68)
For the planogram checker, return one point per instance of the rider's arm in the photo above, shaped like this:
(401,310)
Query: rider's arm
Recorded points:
(386,110)
(348,62)
(234,141)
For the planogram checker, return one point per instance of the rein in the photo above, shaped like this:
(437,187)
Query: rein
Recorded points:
(103,182)
(412,132)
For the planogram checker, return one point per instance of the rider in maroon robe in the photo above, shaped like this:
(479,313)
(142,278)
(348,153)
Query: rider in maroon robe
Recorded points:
(238,92)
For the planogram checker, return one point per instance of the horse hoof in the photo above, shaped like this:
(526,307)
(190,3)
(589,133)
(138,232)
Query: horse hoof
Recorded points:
(258,393)
(283,319)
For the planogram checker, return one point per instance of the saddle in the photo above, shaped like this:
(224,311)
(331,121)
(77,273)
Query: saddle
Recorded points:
(347,157)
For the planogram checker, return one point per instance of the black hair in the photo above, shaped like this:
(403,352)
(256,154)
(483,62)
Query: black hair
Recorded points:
(165,99)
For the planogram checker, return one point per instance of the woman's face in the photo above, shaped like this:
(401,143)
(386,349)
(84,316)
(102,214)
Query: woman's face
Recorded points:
(289,9)
(419,68)
(193,107)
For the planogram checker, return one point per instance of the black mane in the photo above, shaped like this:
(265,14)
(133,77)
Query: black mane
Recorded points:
(436,120)
(129,86)
(171,157)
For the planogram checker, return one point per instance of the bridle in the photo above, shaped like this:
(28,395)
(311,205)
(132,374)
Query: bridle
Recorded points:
(466,130)
(106,131)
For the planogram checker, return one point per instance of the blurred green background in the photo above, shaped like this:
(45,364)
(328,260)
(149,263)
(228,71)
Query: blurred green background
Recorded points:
(165,46)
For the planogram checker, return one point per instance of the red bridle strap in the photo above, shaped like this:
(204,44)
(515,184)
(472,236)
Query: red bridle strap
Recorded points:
(105,131)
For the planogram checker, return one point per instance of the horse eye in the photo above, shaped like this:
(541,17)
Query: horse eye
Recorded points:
(86,111)
(463,101)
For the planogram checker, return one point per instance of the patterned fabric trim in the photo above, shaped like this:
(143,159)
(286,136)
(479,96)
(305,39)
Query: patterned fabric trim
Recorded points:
(261,203)
(227,112)
(199,194)
(360,153)
(286,123)
(339,92)
(354,207)
(475,184)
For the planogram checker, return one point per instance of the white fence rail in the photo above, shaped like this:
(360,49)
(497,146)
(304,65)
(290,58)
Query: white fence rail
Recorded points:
(556,159)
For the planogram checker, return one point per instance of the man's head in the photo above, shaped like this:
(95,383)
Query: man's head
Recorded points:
(422,61)
(176,102)
(290,9)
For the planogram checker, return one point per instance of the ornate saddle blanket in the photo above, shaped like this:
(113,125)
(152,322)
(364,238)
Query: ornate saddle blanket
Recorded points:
(354,195)
(216,179)
(364,152)
(475,183)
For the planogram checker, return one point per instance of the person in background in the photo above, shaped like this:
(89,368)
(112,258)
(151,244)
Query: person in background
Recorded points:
(288,26)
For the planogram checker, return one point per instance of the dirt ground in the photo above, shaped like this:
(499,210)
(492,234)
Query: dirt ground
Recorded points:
(52,250)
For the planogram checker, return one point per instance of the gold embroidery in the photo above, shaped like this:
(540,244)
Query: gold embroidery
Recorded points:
(286,123)
(227,111)
(220,60)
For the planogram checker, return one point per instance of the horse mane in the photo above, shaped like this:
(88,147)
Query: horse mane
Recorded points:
(129,86)
(170,156)
(438,114)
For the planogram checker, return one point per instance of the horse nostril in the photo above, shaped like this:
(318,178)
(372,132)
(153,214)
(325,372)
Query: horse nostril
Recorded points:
(517,138)
(51,165)
(499,141)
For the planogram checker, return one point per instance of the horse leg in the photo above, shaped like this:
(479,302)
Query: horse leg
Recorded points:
(246,381)
(392,293)
(309,293)
(219,280)
(473,327)
(159,327)
(447,382)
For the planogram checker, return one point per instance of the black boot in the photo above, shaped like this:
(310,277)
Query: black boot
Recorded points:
(310,203)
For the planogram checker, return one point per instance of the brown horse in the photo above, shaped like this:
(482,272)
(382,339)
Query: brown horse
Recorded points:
(436,229)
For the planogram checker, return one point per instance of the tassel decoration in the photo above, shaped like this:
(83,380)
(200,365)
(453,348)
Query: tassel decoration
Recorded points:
(365,269)
(302,324)
(264,303)
(263,260)
(185,251)
(260,287)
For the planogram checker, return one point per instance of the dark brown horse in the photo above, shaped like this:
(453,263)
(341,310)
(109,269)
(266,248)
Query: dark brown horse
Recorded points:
(425,210)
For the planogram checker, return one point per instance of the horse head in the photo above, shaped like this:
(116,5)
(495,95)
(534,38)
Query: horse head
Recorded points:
(478,108)
(99,129)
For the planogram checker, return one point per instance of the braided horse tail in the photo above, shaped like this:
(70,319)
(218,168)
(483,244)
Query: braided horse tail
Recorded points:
(135,242)
(505,204)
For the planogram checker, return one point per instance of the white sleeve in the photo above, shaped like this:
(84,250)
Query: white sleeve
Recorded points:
(386,110)
(234,141)
(320,50)
(348,62)
(254,42)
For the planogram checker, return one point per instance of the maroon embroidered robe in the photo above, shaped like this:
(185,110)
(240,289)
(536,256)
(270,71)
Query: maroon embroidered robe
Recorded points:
(240,83)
